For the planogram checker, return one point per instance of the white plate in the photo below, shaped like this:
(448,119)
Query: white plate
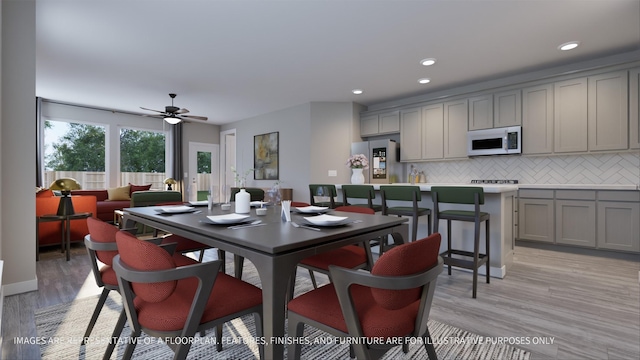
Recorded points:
(199,203)
(227,218)
(176,209)
(258,203)
(325,220)
(312,209)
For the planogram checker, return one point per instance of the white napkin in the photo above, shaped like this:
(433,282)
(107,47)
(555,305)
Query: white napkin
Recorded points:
(286,208)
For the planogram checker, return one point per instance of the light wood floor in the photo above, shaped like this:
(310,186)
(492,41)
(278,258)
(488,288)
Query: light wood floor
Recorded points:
(583,306)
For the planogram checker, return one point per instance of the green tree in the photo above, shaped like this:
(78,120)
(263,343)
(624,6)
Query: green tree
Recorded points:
(80,149)
(204,162)
(141,151)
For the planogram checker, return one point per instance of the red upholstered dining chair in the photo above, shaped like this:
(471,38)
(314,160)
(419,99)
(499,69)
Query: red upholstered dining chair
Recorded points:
(166,198)
(101,246)
(170,301)
(350,256)
(393,301)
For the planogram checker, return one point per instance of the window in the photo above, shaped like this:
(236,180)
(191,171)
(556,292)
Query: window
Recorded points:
(142,157)
(75,150)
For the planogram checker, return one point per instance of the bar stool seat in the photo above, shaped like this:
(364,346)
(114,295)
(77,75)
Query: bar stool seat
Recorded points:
(405,193)
(468,195)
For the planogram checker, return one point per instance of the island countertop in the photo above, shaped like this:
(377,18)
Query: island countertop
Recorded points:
(488,188)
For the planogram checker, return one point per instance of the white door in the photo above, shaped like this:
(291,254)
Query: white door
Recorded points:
(203,167)
(227,160)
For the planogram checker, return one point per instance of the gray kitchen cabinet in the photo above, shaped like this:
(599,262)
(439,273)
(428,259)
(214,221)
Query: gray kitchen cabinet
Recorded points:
(537,119)
(411,134)
(481,112)
(634,108)
(608,112)
(507,108)
(536,215)
(618,220)
(570,116)
(369,125)
(455,129)
(387,123)
(576,222)
(433,132)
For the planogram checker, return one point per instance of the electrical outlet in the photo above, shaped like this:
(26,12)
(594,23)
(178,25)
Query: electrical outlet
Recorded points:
(333,172)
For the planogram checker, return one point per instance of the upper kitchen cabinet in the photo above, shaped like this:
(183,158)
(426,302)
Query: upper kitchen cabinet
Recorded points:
(634,108)
(570,116)
(481,112)
(411,134)
(537,119)
(455,129)
(507,109)
(433,132)
(387,123)
(608,116)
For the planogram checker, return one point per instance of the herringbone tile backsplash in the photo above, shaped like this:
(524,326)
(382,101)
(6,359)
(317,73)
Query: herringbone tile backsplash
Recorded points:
(614,168)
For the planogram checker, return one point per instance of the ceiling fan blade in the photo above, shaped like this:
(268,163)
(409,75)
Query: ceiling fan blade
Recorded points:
(194,117)
(182,111)
(143,108)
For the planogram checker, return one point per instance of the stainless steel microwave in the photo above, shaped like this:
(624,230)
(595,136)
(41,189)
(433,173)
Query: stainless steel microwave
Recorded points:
(498,141)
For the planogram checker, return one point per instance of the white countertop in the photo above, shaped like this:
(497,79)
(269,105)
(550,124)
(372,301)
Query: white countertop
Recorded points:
(500,188)
(488,188)
(580,186)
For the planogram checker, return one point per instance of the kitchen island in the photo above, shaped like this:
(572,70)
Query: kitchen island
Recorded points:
(500,203)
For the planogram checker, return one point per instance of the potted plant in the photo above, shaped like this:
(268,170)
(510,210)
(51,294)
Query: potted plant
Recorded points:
(357,163)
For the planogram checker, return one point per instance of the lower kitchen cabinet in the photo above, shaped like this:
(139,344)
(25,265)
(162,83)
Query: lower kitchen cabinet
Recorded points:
(618,227)
(608,220)
(576,222)
(535,220)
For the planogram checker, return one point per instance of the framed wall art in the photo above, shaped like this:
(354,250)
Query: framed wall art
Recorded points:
(265,156)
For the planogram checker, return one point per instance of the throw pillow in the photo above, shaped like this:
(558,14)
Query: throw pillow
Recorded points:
(44,193)
(119,193)
(138,188)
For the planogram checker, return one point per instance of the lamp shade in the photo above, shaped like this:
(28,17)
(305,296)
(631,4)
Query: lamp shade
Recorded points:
(65,185)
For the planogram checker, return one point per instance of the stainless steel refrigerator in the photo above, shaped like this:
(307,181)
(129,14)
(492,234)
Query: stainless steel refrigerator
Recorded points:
(384,167)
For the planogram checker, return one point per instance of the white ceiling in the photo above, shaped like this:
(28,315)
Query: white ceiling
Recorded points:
(231,60)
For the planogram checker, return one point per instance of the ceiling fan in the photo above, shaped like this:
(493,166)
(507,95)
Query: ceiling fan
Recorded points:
(174,115)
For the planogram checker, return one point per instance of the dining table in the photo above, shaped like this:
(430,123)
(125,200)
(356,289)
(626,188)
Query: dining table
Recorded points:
(275,246)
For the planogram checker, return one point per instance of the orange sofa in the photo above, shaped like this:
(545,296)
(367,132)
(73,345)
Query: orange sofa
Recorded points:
(50,232)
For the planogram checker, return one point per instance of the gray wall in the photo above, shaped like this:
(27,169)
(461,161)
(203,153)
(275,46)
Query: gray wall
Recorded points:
(17,148)
(314,138)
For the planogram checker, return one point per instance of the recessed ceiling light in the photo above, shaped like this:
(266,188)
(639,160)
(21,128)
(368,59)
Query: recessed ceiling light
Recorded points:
(424,80)
(357,91)
(428,62)
(569,46)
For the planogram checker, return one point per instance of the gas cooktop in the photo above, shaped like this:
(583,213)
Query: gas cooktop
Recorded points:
(494,181)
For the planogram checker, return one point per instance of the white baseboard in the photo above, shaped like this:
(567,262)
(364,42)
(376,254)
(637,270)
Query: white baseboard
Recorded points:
(20,287)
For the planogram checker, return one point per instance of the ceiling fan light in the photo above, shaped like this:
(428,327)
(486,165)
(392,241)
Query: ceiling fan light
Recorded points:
(172,120)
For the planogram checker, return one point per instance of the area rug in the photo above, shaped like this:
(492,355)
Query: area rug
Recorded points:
(60,329)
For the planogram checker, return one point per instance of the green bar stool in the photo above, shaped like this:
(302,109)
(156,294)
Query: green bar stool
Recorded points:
(360,192)
(324,190)
(405,193)
(468,195)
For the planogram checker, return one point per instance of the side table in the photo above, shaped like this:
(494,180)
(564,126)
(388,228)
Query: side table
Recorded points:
(65,235)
